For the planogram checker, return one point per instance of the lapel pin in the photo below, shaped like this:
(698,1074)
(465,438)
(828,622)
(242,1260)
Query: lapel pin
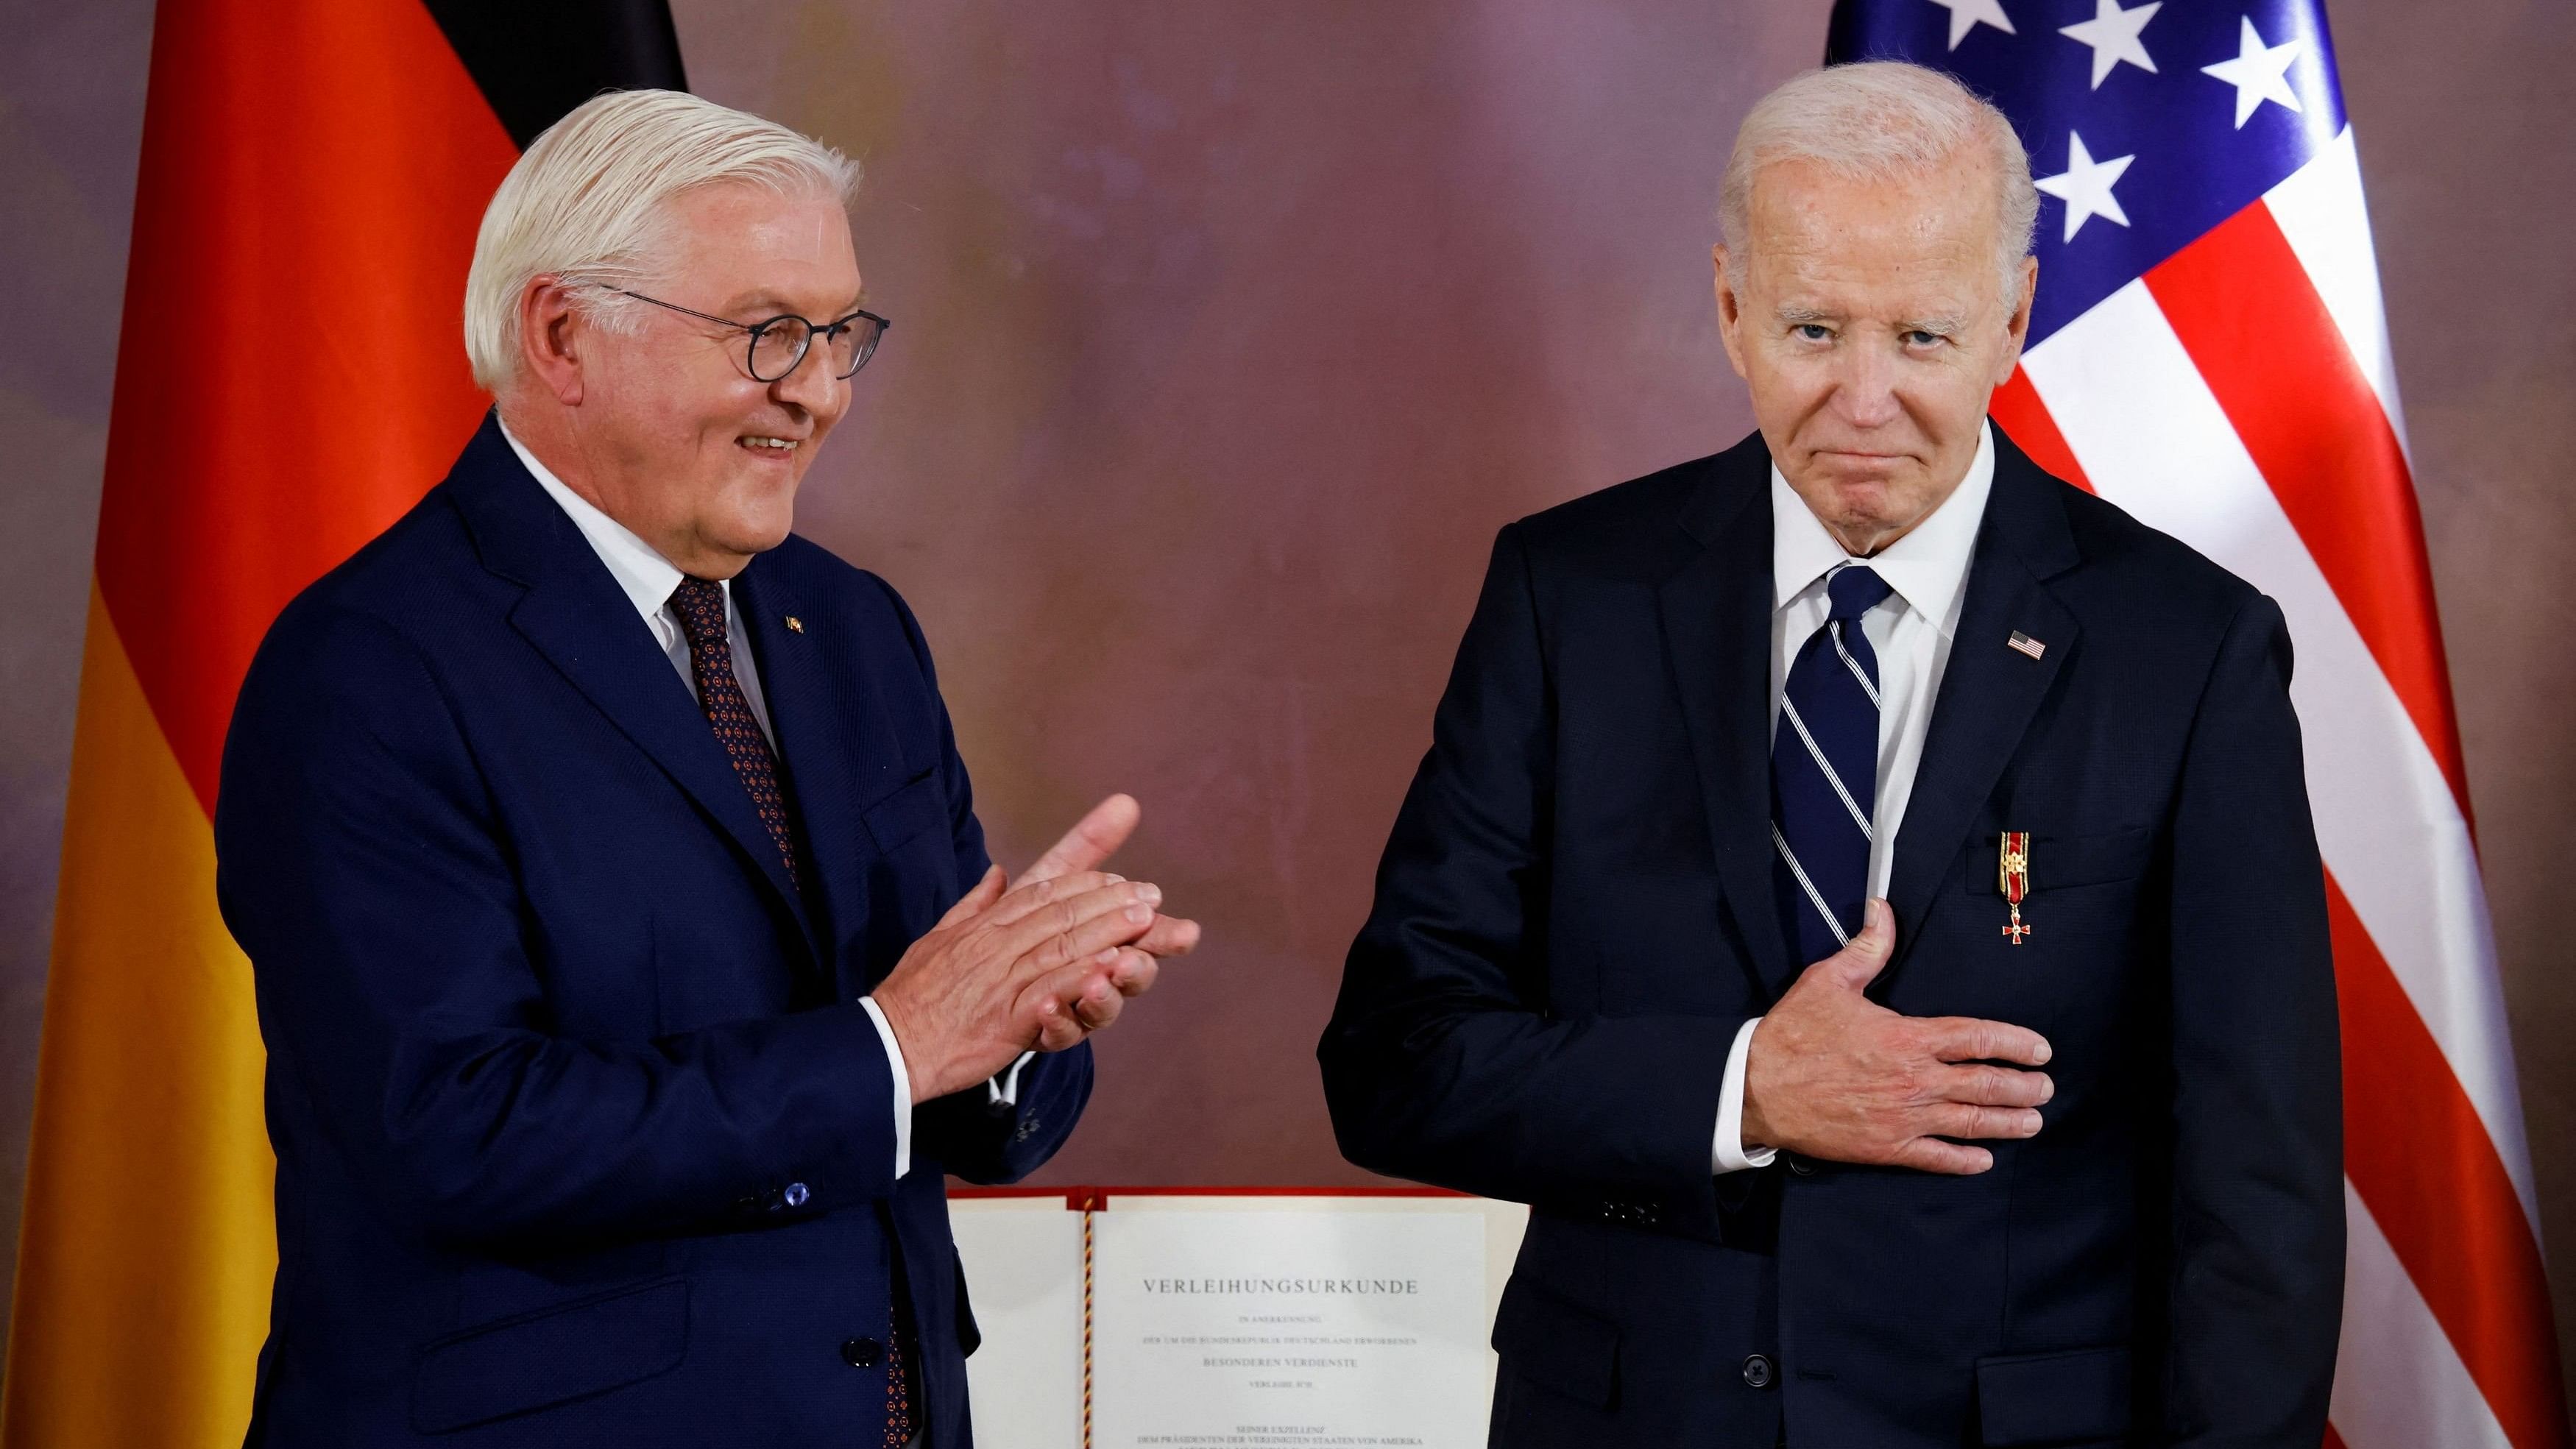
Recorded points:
(2025,644)
(797,626)
(2012,877)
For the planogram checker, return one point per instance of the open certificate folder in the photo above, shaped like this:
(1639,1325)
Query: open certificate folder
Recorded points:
(1209,1318)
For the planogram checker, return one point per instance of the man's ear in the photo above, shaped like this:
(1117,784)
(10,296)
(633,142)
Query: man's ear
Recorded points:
(2017,326)
(1730,312)
(553,338)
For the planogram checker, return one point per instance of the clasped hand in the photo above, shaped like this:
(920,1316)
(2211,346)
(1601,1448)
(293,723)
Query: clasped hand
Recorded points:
(1040,964)
(1834,1075)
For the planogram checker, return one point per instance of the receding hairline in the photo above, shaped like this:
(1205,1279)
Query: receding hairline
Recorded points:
(1961,180)
(760,190)
(591,202)
(1879,121)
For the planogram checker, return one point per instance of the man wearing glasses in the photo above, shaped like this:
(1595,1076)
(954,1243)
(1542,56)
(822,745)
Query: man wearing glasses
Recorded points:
(628,957)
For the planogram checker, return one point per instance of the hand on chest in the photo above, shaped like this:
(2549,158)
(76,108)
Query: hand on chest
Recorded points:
(1893,765)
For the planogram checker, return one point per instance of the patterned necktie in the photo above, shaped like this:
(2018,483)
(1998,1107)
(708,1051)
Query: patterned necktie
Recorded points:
(1824,774)
(700,606)
(899,1372)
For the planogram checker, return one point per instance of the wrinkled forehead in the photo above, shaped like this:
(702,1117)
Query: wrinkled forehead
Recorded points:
(1933,231)
(729,235)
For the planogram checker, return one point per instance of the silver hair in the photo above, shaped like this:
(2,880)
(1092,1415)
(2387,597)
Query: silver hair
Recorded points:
(1878,119)
(588,203)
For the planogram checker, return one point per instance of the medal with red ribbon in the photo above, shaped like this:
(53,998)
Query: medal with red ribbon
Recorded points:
(2012,877)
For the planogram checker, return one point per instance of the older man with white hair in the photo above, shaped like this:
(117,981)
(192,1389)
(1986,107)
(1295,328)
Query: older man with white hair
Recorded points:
(1861,892)
(628,957)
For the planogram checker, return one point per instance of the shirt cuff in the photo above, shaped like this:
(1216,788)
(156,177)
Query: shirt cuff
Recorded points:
(1004,1088)
(1729,1154)
(902,1089)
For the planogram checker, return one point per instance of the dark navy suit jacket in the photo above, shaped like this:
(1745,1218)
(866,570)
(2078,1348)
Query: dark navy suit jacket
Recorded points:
(580,1135)
(1575,914)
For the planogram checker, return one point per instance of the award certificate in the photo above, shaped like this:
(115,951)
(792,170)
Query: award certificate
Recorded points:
(1290,1330)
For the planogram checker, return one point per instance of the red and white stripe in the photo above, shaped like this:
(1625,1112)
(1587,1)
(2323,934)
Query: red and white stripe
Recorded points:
(2241,397)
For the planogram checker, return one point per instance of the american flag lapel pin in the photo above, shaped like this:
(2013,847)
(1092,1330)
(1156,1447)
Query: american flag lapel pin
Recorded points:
(2025,644)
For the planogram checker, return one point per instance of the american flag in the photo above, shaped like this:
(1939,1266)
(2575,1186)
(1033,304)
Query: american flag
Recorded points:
(2208,351)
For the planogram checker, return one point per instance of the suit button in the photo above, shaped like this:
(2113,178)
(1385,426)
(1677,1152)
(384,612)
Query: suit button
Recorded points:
(797,1194)
(864,1352)
(1801,1166)
(1757,1372)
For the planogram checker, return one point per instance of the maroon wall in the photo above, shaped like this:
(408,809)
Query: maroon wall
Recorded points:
(1222,346)
(1226,335)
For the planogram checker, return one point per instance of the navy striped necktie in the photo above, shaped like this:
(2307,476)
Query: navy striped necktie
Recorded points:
(1824,774)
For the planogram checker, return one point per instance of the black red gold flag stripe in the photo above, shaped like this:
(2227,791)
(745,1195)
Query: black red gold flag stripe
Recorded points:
(290,377)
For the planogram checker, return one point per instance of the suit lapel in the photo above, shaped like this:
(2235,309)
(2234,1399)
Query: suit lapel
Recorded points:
(1989,691)
(576,616)
(823,728)
(1716,612)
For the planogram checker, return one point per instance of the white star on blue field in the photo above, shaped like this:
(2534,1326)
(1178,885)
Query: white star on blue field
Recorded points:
(2147,124)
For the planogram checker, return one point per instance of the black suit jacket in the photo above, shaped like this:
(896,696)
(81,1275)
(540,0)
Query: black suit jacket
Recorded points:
(1575,914)
(581,1137)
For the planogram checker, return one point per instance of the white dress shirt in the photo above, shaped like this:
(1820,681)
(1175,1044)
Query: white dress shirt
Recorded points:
(1910,631)
(649,581)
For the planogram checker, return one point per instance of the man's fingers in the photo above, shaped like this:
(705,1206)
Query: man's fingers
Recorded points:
(1967,1119)
(1135,971)
(1057,1028)
(1032,895)
(1032,913)
(1091,840)
(1127,907)
(1098,1005)
(986,891)
(1931,1154)
(1998,1087)
(1861,959)
(1072,993)
(1170,936)
(1072,932)
(1969,1039)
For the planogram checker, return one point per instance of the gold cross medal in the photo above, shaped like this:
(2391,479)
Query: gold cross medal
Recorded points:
(2012,877)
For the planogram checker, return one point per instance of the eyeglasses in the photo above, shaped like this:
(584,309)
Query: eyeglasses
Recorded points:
(780,343)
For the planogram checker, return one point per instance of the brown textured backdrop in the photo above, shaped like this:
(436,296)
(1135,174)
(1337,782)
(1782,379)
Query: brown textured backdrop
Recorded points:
(1227,335)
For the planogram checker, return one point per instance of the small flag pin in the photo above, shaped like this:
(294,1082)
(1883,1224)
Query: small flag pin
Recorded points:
(2026,644)
(797,626)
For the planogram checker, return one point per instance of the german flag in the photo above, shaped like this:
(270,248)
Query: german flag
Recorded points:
(290,378)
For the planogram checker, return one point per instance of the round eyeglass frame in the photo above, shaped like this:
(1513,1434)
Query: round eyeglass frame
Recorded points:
(758,330)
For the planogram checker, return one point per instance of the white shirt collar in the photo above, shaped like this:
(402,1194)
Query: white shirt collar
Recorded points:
(1928,567)
(648,578)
